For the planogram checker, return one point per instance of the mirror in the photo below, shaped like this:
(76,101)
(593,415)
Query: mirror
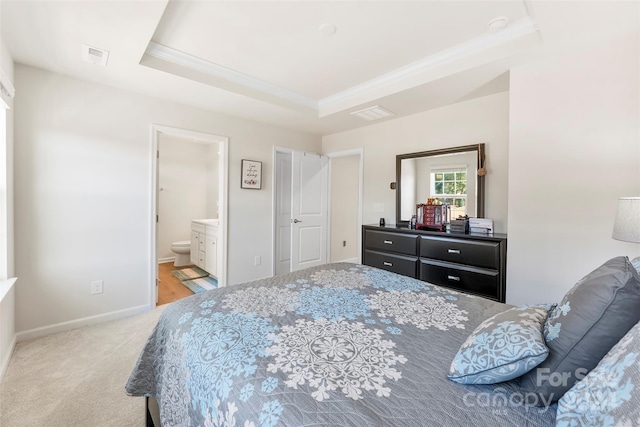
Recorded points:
(453,175)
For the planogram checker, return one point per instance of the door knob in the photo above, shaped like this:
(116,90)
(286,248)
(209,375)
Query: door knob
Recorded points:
(295,221)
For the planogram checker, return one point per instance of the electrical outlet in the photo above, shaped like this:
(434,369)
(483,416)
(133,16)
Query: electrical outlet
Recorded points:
(257,260)
(96,287)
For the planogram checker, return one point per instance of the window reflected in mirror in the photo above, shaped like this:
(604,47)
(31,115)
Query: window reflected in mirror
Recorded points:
(441,177)
(448,175)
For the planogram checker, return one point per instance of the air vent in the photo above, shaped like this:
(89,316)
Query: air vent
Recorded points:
(95,55)
(373,113)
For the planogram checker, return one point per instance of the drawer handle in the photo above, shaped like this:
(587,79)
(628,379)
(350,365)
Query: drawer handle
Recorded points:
(388,264)
(454,251)
(456,278)
(389,242)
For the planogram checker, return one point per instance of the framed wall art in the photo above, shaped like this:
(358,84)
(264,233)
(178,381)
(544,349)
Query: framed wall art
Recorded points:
(251,174)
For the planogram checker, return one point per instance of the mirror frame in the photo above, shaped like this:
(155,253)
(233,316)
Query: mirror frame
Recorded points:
(479,148)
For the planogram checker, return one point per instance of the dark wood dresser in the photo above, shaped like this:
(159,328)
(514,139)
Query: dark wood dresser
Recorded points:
(472,263)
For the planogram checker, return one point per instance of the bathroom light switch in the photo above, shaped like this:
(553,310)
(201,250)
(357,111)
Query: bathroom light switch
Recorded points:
(257,260)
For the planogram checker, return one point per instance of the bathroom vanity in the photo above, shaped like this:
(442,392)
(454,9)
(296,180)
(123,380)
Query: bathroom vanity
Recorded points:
(204,241)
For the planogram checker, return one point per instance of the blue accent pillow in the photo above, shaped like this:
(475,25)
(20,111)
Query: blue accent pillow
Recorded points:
(610,394)
(503,347)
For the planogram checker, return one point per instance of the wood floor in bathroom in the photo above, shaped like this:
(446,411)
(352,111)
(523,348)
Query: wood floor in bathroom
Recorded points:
(170,289)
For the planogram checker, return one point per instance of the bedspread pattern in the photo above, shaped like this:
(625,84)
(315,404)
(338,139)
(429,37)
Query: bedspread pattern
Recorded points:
(340,344)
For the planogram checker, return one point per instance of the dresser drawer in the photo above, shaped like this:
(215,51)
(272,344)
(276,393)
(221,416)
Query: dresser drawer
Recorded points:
(391,242)
(404,265)
(477,281)
(470,252)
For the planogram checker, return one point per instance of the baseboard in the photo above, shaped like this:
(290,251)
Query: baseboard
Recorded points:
(78,323)
(168,259)
(7,358)
(350,260)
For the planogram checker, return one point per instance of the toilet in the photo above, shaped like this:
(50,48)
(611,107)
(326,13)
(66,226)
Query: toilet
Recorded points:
(182,249)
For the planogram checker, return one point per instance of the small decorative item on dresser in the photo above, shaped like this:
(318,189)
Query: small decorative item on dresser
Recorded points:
(382,222)
(432,216)
(460,225)
(480,225)
(429,214)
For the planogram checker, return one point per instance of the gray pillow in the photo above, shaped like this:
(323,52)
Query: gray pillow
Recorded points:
(591,318)
(610,394)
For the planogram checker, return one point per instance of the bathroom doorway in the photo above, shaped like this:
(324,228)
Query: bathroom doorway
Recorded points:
(189,183)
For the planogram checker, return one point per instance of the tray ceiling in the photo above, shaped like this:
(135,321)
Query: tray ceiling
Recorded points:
(270,61)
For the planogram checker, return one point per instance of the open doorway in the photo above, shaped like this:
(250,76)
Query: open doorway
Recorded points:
(189,192)
(345,214)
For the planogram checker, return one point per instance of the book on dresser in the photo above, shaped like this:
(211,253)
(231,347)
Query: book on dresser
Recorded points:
(471,263)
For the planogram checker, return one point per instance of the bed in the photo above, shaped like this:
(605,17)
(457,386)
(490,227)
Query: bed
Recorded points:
(335,345)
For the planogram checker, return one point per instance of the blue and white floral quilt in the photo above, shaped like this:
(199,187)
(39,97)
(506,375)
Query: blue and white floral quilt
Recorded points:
(335,345)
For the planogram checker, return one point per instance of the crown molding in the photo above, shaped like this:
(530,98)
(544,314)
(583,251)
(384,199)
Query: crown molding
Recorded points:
(522,28)
(403,78)
(183,59)
(6,86)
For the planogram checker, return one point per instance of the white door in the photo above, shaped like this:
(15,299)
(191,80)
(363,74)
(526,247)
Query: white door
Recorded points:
(309,210)
(283,213)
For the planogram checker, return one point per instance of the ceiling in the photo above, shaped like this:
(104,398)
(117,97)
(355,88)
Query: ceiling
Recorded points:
(276,62)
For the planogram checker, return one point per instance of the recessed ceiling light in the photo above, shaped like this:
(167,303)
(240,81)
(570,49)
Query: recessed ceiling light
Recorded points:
(497,24)
(94,55)
(327,29)
(373,113)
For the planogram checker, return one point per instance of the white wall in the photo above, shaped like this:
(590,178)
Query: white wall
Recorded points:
(184,182)
(345,177)
(7,302)
(82,176)
(574,149)
(213,169)
(480,120)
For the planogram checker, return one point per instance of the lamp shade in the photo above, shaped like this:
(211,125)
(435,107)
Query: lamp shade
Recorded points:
(627,224)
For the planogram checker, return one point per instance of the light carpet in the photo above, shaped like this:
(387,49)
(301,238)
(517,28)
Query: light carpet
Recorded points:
(77,377)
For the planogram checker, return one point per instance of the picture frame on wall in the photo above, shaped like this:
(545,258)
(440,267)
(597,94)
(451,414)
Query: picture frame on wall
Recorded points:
(251,174)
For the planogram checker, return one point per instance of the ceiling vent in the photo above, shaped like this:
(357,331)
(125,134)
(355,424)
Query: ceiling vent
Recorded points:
(373,113)
(95,55)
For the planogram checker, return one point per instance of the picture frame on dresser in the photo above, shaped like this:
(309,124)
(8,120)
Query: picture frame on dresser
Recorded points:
(472,263)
